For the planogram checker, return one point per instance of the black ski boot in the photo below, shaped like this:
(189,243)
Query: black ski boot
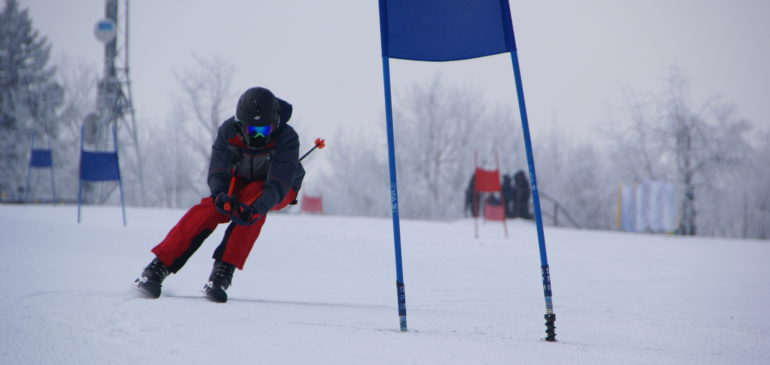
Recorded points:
(149,282)
(219,280)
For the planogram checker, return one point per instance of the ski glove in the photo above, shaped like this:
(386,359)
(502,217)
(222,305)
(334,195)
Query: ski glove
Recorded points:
(224,203)
(268,198)
(244,215)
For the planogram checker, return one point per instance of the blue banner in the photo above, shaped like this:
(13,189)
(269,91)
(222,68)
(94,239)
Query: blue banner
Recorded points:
(99,166)
(445,30)
(41,158)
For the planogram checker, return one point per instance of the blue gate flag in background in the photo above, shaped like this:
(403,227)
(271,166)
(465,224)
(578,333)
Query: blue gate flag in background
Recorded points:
(40,158)
(100,166)
(452,30)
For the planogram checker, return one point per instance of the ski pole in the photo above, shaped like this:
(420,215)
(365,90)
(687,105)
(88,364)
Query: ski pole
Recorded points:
(231,190)
(319,143)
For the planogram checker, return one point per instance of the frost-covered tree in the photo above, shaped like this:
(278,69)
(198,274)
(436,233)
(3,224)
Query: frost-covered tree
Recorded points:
(206,100)
(669,137)
(78,79)
(175,181)
(572,182)
(357,182)
(756,205)
(29,95)
(438,128)
(738,200)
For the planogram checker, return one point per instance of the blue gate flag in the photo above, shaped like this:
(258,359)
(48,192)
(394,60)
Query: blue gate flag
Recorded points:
(445,30)
(41,158)
(99,166)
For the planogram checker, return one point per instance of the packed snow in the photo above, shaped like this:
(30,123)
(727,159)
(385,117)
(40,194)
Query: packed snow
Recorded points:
(321,290)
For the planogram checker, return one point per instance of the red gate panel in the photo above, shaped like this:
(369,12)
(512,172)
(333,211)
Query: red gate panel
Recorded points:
(311,204)
(486,180)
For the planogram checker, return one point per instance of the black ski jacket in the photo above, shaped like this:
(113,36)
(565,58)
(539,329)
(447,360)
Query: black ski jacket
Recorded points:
(277,163)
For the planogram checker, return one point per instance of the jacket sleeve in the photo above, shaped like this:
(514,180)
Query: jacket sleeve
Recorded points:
(221,163)
(298,178)
(284,165)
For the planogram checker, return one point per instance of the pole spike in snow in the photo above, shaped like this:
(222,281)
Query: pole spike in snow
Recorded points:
(550,327)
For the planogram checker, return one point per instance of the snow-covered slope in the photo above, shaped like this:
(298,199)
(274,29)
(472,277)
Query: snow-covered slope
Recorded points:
(321,290)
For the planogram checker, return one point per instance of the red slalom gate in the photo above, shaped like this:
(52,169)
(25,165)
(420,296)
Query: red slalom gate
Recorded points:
(311,204)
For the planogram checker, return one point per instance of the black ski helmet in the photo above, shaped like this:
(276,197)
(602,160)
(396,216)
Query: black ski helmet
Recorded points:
(258,115)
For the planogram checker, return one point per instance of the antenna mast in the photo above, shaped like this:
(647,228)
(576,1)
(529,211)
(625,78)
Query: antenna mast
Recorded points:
(114,99)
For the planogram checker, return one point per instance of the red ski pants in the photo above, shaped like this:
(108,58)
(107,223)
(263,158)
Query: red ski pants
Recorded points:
(198,223)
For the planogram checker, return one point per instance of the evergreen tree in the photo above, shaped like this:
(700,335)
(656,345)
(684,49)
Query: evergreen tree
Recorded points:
(29,95)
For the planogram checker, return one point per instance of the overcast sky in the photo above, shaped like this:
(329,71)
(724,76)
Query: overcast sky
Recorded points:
(577,57)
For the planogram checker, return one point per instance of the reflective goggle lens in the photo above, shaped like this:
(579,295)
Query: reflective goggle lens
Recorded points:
(257,131)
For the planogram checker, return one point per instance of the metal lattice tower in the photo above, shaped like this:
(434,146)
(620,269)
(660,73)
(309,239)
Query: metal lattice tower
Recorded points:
(114,106)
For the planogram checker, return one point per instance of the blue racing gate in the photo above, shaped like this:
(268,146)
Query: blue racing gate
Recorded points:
(452,30)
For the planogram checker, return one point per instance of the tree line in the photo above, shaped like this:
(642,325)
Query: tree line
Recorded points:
(719,161)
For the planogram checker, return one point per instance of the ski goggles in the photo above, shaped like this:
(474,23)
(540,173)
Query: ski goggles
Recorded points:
(258,131)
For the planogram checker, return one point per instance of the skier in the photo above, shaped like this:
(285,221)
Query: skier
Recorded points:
(472,199)
(509,192)
(521,196)
(254,168)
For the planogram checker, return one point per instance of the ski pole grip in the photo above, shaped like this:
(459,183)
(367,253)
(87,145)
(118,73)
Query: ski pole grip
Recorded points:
(232,186)
(228,207)
(320,143)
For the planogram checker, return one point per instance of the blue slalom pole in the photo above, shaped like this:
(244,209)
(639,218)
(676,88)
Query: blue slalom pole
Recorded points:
(550,317)
(80,174)
(29,172)
(120,178)
(394,196)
